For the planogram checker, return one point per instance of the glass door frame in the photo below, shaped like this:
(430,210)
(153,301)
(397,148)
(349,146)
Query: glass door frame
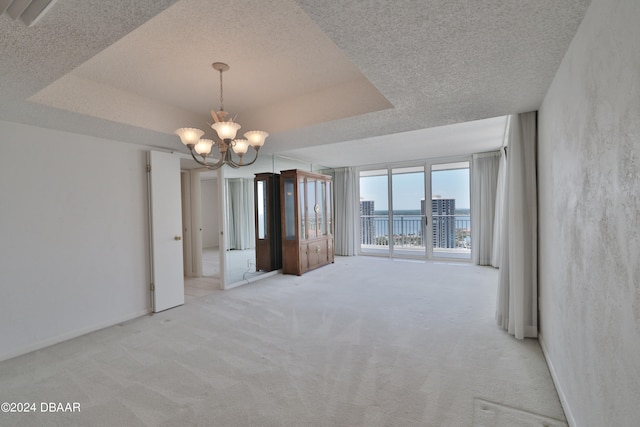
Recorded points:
(428,174)
(427,165)
(391,251)
(402,252)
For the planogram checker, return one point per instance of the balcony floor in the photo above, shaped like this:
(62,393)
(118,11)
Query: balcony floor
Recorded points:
(417,252)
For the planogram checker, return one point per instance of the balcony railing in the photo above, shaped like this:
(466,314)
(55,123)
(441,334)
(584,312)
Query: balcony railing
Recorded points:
(411,231)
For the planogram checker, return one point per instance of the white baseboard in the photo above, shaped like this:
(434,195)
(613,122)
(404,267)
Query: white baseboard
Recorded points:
(252,279)
(70,335)
(563,398)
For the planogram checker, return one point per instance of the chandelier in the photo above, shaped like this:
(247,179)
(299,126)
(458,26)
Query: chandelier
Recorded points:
(226,130)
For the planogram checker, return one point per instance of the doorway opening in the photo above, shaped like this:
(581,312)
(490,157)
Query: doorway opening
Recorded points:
(201,255)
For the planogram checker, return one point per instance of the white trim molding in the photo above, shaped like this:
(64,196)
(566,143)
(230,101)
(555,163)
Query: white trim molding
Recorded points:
(563,399)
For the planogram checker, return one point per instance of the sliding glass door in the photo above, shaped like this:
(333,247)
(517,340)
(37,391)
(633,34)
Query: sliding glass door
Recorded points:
(374,212)
(450,210)
(408,213)
(420,211)
(393,212)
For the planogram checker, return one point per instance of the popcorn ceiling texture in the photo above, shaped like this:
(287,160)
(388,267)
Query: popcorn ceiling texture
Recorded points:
(446,62)
(271,67)
(589,192)
(71,32)
(433,63)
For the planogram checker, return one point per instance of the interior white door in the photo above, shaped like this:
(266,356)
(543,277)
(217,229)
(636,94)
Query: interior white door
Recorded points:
(166,231)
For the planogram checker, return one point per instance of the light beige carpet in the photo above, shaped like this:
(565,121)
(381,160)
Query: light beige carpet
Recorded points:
(364,342)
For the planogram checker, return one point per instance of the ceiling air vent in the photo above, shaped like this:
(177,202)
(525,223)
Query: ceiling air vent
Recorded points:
(29,11)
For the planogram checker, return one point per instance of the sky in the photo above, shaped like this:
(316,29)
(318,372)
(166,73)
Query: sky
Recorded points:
(408,189)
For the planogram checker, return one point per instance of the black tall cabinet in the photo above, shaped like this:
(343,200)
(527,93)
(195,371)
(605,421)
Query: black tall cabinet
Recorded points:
(268,235)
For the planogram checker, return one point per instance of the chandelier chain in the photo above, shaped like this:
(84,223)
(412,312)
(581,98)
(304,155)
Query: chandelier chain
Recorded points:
(221,93)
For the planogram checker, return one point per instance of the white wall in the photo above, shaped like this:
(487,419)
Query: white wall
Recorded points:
(209,211)
(74,245)
(589,202)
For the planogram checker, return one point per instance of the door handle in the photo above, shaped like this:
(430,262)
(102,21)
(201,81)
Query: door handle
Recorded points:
(177,238)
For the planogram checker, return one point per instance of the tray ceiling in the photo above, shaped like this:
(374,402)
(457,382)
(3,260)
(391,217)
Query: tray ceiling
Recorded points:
(326,79)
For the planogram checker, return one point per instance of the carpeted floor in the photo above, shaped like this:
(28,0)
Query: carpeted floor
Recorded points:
(489,414)
(364,342)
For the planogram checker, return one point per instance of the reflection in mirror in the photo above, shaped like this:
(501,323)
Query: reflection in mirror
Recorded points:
(209,226)
(240,225)
(321,191)
(262,208)
(240,235)
(289,206)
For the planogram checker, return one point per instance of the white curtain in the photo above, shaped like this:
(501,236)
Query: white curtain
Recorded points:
(240,214)
(496,251)
(483,205)
(346,212)
(517,288)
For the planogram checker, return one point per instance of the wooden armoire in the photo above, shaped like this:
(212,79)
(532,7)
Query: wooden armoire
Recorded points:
(307,221)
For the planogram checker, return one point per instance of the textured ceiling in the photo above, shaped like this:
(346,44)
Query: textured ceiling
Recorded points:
(150,79)
(326,79)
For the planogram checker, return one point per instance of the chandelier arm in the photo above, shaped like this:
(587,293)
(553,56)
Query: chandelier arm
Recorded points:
(247,164)
(216,165)
(228,159)
(212,166)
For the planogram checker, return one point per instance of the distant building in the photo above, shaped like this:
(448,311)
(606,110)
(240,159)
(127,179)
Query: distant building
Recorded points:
(443,219)
(367,222)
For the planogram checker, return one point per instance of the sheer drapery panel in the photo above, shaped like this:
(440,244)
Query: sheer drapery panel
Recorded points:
(240,214)
(516,309)
(346,213)
(483,203)
(496,250)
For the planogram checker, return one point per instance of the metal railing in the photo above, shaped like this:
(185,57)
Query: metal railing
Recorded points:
(411,231)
